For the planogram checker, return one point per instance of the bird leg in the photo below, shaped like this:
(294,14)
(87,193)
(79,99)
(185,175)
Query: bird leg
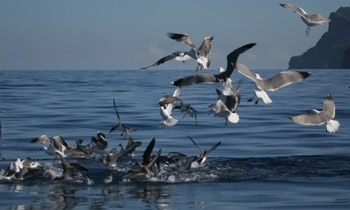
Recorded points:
(256,102)
(251,99)
(226,123)
(199,67)
(308,31)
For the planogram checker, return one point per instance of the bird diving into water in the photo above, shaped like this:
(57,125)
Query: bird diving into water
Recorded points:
(120,126)
(309,20)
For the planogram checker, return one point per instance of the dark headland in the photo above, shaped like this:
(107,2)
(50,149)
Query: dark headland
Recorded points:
(332,51)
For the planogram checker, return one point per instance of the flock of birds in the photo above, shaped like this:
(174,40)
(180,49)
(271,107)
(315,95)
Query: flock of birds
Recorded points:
(151,166)
(226,107)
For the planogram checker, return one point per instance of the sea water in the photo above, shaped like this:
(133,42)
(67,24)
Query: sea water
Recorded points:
(264,162)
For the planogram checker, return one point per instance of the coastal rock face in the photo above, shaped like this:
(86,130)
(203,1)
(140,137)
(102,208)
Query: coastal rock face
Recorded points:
(332,51)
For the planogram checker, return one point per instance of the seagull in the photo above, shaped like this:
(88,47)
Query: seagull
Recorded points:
(213,78)
(120,126)
(201,55)
(131,146)
(228,102)
(70,169)
(188,109)
(112,158)
(221,110)
(320,117)
(167,99)
(98,144)
(43,139)
(79,151)
(203,155)
(20,168)
(309,20)
(59,145)
(165,111)
(276,82)
(145,170)
(230,95)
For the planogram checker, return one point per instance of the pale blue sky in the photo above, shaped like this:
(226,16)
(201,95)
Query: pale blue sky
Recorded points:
(127,34)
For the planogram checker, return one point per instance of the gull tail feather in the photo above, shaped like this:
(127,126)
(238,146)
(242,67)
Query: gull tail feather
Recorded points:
(263,95)
(332,126)
(170,121)
(233,118)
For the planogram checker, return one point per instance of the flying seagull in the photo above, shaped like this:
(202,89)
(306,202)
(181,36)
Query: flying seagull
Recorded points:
(213,78)
(276,82)
(228,102)
(120,126)
(188,109)
(201,54)
(309,20)
(166,109)
(320,117)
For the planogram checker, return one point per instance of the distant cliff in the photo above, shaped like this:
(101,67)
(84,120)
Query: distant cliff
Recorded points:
(332,51)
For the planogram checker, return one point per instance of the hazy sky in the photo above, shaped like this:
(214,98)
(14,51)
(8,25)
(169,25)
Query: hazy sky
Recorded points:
(127,34)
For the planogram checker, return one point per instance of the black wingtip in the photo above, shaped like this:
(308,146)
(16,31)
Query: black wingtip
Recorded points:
(329,97)
(218,92)
(283,5)
(304,74)
(177,82)
(250,45)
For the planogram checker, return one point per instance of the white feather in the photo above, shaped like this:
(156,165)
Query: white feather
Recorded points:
(221,69)
(203,61)
(332,126)
(263,95)
(233,118)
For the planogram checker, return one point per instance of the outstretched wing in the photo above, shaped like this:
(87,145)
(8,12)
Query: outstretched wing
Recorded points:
(195,79)
(246,71)
(293,8)
(232,60)
(162,60)
(204,49)
(116,110)
(148,152)
(283,79)
(195,144)
(206,152)
(181,38)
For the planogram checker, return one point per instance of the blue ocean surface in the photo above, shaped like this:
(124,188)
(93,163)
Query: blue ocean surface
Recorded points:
(264,162)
